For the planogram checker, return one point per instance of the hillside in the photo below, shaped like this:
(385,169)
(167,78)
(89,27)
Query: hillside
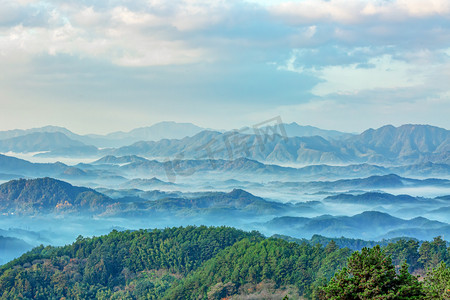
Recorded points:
(143,259)
(208,206)
(47,195)
(161,264)
(191,263)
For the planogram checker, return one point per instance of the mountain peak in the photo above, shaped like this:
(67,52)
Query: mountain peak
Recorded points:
(240,193)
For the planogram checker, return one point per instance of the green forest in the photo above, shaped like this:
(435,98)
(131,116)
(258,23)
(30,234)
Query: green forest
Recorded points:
(223,262)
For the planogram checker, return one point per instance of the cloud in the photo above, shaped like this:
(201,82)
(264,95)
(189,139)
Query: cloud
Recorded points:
(382,72)
(256,56)
(148,35)
(351,70)
(358,11)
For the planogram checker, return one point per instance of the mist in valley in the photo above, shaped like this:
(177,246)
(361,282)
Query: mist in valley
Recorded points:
(64,196)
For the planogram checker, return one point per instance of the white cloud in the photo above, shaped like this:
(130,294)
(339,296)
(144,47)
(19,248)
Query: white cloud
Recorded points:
(367,69)
(156,32)
(151,35)
(384,73)
(357,11)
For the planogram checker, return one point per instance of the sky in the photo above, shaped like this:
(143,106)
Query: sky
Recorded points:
(107,65)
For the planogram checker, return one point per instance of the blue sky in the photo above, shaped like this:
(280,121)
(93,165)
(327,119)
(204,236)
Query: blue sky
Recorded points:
(102,66)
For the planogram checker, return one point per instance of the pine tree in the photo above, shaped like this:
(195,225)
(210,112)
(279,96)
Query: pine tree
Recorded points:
(370,274)
(437,283)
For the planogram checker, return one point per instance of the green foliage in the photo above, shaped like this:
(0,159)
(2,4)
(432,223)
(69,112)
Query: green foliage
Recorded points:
(437,283)
(248,261)
(370,274)
(342,242)
(220,262)
(433,253)
(404,251)
(97,267)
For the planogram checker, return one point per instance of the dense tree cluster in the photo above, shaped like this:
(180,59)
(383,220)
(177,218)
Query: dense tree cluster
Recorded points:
(278,261)
(95,267)
(219,262)
(370,274)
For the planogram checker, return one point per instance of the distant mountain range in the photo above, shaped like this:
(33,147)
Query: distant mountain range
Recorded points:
(378,198)
(293,129)
(158,131)
(367,225)
(40,141)
(407,144)
(118,170)
(152,183)
(113,160)
(372,182)
(49,196)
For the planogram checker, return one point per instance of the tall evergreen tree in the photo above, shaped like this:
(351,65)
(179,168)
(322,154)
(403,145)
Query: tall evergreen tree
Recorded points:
(370,274)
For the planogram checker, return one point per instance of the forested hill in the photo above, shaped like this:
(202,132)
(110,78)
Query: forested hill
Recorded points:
(46,195)
(193,263)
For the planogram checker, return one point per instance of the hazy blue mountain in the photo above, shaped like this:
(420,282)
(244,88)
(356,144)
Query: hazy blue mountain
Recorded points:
(30,237)
(367,225)
(147,184)
(156,132)
(137,193)
(6,177)
(161,130)
(46,129)
(294,129)
(216,145)
(113,160)
(241,167)
(376,198)
(39,141)
(208,207)
(407,144)
(98,141)
(12,167)
(47,195)
(372,182)
(72,152)
(11,248)
(388,145)
(427,169)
